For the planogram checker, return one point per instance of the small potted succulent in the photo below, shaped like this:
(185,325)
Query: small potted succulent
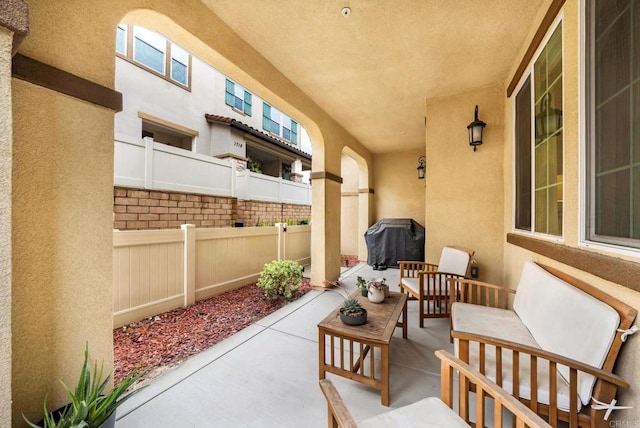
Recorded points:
(351,311)
(362,285)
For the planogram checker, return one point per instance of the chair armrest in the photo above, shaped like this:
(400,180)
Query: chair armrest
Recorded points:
(480,293)
(540,354)
(339,415)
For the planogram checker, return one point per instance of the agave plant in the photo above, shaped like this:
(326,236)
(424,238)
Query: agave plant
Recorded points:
(90,405)
(351,307)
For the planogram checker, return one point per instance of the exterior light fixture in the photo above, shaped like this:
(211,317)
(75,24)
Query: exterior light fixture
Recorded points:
(421,167)
(475,131)
(346,11)
(549,120)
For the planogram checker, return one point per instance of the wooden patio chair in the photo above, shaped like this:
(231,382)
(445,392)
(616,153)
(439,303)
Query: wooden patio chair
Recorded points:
(433,411)
(428,283)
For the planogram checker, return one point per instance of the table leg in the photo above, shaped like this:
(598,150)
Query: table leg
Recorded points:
(385,375)
(321,356)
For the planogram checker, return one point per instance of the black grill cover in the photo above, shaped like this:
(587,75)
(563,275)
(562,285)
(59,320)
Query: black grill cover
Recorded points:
(393,239)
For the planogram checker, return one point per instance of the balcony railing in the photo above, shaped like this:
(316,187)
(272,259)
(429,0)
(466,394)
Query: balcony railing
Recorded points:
(150,165)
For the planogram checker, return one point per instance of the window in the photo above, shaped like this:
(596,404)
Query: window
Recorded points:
(149,49)
(272,120)
(613,122)
(539,143)
(154,53)
(121,39)
(237,97)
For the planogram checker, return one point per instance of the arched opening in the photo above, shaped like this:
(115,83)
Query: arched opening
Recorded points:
(356,204)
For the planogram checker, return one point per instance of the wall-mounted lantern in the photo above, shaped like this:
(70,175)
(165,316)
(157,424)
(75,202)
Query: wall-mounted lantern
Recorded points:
(475,129)
(421,167)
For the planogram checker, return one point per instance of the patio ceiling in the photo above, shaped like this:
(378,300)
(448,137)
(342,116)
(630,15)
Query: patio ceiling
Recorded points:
(373,69)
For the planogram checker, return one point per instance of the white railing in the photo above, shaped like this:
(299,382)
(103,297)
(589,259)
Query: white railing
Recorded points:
(150,165)
(159,270)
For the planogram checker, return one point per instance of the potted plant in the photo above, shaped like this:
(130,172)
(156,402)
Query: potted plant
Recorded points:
(90,405)
(362,285)
(351,311)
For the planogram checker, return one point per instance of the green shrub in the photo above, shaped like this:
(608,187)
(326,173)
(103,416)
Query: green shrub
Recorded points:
(280,279)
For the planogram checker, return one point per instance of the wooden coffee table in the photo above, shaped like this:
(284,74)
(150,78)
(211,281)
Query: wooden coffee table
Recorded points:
(350,345)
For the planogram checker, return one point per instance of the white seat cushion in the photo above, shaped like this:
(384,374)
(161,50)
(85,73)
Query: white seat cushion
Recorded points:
(453,260)
(565,320)
(505,324)
(427,413)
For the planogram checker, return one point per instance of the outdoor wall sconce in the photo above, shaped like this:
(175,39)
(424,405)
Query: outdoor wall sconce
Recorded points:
(475,131)
(421,167)
(549,120)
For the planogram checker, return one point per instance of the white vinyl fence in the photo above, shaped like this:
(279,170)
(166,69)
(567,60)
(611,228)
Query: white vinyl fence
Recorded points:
(149,165)
(158,270)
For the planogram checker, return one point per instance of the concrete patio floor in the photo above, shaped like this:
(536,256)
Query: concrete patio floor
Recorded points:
(267,374)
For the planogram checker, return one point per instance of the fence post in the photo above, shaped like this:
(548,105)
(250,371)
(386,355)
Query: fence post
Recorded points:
(234,177)
(148,162)
(189,279)
(282,241)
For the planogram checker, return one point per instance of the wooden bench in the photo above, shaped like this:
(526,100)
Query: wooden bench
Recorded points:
(555,350)
(439,412)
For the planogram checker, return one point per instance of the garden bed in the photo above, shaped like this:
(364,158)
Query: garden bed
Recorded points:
(163,341)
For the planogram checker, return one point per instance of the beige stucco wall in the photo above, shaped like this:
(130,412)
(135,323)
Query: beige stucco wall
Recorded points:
(464,201)
(62,225)
(349,232)
(398,191)
(6,38)
(628,365)
(63,148)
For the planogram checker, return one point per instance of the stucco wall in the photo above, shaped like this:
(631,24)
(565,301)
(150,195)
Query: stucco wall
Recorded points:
(349,232)
(464,202)
(6,38)
(63,175)
(398,191)
(628,365)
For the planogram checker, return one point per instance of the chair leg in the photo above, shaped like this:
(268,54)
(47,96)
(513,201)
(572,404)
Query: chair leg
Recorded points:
(421,312)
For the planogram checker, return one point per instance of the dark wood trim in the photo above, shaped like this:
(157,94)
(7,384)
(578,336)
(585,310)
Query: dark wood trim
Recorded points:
(612,269)
(552,12)
(47,76)
(324,175)
(366,190)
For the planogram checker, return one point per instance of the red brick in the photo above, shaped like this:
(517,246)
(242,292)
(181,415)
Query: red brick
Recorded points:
(194,198)
(158,195)
(185,217)
(159,224)
(185,204)
(149,217)
(193,211)
(137,224)
(168,203)
(168,216)
(119,192)
(120,225)
(125,201)
(119,208)
(159,210)
(175,224)
(137,209)
(149,202)
(177,210)
(138,194)
(177,197)
(125,217)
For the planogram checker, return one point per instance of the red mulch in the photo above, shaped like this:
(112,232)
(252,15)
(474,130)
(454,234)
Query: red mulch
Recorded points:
(166,339)
(348,261)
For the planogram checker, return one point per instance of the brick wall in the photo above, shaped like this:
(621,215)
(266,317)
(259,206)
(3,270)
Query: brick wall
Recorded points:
(137,209)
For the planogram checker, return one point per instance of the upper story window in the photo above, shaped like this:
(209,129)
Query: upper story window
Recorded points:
(154,53)
(612,92)
(273,119)
(539,143)
(237,97)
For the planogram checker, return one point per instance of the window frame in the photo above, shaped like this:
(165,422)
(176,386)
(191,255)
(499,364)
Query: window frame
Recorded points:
(587,122)
(246,94)
(528,74)
(167,60)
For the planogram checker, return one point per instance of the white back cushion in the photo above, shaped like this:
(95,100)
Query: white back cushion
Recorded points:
(565,320)
(453,260)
